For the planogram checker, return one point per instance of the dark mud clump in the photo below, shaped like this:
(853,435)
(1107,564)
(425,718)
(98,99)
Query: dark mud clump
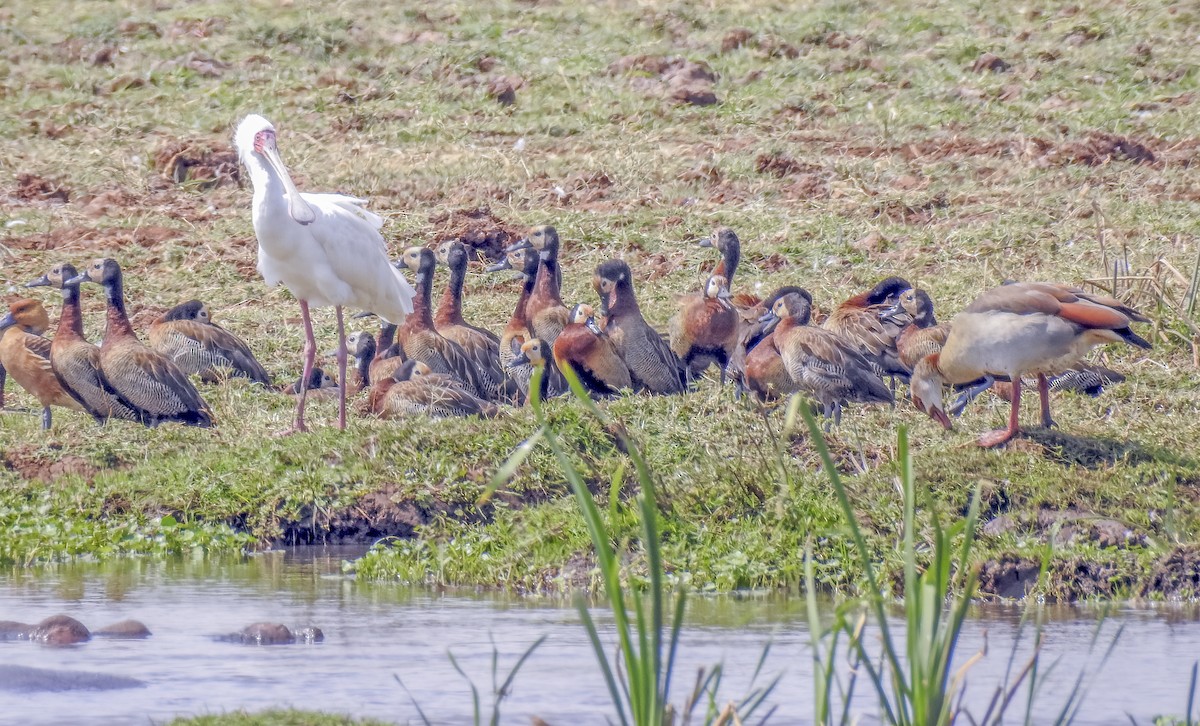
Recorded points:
(1009,577)
(989,63)
(207,164)
(671,77)
(372,517)
(33,188)
(33,466)
(477,228)
(781,165)
(1102,148)
(1177,574)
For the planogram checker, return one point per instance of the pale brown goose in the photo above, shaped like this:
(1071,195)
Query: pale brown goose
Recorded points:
(1035,329)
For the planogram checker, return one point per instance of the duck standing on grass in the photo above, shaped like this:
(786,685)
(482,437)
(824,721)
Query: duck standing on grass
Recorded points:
(1026,328)
(652,365)
(482,346)
(823,363)
(26,356)
(75,361)
(145,380)
(325,248)
(706,329)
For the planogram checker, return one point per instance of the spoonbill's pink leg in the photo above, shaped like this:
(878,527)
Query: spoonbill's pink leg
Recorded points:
(341,359)
(310,359)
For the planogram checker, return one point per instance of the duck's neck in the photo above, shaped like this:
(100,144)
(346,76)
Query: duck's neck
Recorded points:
(387,336)
(70,322)
(363,362)
(860,300)
(622,301)
(117,320)
(519,317)
(422,314)
(730,257)
(546,285)
(450,310)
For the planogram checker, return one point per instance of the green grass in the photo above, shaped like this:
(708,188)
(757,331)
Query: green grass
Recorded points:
(910,162)
(274,718)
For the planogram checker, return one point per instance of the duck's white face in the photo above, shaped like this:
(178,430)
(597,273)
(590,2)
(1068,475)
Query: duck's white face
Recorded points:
(533,351)
(581,313)
(420,370)
(203,315)
(412,258)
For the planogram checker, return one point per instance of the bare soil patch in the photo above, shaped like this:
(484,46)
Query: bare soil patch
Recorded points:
(673,77)
(34,188)
(203,162)
(34,465)
(82,238)
(477,228)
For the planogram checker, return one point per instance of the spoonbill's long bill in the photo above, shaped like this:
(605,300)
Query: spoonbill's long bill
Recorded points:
(325,248)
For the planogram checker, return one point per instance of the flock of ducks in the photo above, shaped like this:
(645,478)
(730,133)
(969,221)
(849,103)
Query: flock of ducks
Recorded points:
(328,251)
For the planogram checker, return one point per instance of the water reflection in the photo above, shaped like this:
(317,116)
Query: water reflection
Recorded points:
(375,631)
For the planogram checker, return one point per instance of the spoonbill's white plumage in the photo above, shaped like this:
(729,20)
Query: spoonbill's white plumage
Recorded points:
(326,248)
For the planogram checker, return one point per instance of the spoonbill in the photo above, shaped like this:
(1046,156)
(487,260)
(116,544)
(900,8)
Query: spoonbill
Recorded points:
(326,248)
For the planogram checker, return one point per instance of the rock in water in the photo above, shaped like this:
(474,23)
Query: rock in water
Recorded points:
(60,630)
(127,629)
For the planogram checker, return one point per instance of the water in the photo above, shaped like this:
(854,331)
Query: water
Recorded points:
(375,633)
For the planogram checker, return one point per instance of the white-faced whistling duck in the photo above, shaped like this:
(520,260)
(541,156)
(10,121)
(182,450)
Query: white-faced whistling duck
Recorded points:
(418,337)
(824,364)
(592,354)
(756,328)
(517,333)
(706,328)
(25,354)
(545,311)
(923,334)
(188,336)
(860,320)
(144,379)
(75,361)
(416,390)
(727,243)
(1016,330)
(652,365)
(532,354)
(482,346)
(764,373)
(320,385)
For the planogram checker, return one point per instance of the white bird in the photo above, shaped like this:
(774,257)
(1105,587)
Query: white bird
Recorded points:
(325,248)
